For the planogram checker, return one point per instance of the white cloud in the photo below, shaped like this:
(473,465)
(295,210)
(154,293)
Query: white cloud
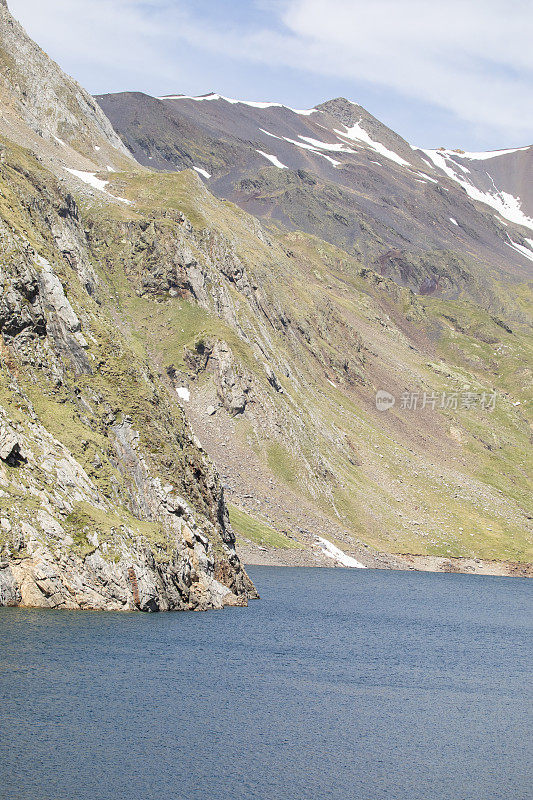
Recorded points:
(472,58)
(123,35)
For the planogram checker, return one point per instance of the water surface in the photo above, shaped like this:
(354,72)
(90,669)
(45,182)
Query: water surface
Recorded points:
(338,684)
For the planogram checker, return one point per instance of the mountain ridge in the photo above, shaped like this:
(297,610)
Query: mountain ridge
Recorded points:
(227,141)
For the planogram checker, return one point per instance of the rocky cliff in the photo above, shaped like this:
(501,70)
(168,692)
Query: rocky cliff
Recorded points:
(107,499)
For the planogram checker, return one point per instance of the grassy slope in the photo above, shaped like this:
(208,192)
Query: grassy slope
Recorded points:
(257,531)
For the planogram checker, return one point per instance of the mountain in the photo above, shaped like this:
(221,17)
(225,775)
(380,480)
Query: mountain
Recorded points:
(387,267)
(107,499)
(337,172)
(303,365)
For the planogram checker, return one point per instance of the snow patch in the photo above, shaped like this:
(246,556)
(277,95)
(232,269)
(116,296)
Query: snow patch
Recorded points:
(334,553)
(330,159)
(272,159)
(304,112)
(462,168)
(318,145)
(525,251)
(488,154)
(358,134)
(505,204)
(183,393)
(304,146)
(59,141)
(198,98)
(91,179)
(426,177)
(252,103)
(202,172)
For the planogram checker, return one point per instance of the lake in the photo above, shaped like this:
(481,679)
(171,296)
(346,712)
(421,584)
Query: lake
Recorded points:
(341,684)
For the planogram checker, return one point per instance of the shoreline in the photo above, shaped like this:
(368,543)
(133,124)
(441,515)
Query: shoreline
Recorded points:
(257,556)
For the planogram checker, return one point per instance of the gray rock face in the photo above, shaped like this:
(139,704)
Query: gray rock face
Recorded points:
(124,572)
(54,296)
(9,590)
(135,582)
(20,303)
(64,326)
(233,386)
(48,560)
(10,447)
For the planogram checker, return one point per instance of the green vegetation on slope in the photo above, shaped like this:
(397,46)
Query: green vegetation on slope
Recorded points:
(249,527)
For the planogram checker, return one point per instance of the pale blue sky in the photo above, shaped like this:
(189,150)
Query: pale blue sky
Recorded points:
(458,74)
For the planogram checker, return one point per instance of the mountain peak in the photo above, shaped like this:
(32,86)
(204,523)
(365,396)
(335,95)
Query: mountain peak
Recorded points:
(340,101)
(349,113)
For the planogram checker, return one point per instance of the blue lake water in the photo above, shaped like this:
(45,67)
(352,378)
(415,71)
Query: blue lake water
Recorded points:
(341,684)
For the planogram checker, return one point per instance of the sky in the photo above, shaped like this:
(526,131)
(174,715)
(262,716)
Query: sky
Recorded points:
(453,74)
